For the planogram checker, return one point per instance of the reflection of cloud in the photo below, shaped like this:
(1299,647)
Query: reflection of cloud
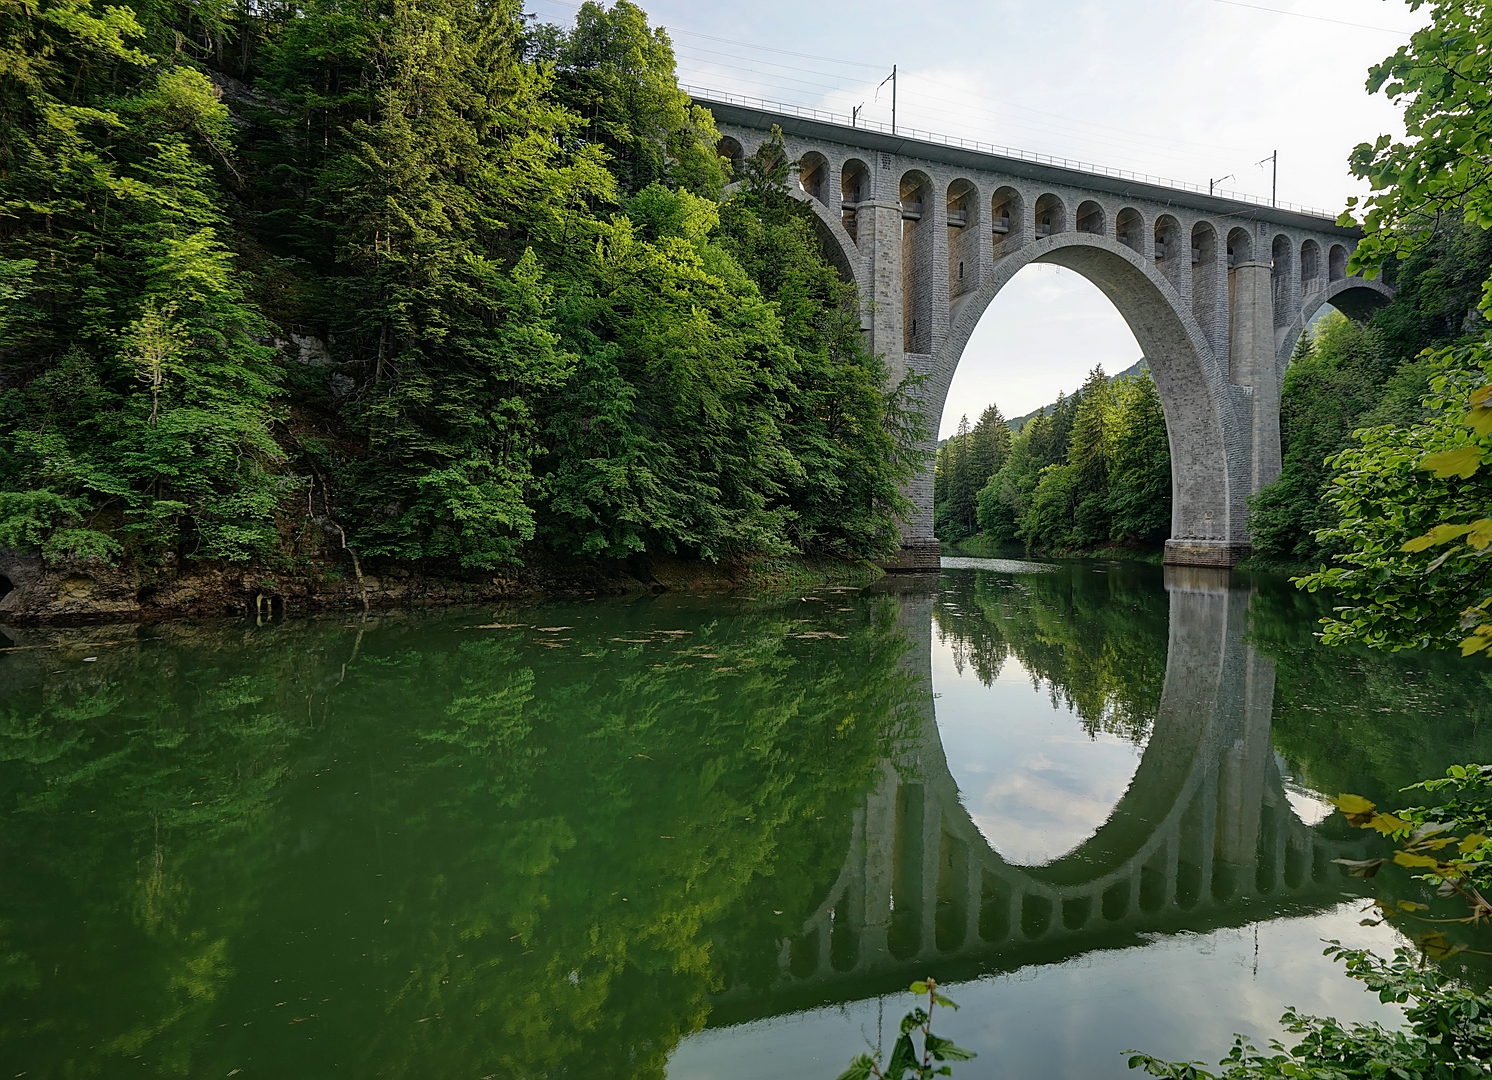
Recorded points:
(1311,809)
(1181,997)
(1033,780)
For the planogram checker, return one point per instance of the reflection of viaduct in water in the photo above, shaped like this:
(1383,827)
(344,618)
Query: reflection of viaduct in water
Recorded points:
(1203,837)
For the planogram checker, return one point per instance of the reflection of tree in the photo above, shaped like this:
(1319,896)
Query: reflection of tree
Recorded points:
(478,852)
(1098,641)
(1370,722)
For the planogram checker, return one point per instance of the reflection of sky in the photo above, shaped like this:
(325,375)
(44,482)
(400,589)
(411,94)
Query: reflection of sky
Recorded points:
(1180,997)
(1033,780)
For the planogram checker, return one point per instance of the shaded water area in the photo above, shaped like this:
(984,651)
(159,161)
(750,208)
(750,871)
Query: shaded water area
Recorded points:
(699,837)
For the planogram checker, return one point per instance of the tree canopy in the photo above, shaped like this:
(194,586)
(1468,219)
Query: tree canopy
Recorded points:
(433,278)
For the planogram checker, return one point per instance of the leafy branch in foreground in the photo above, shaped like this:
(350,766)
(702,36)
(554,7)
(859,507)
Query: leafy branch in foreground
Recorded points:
(1449,1036)
(1448,843)
(905,1061)
(1394,592)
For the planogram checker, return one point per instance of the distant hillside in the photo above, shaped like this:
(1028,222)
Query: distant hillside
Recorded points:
(1016,423)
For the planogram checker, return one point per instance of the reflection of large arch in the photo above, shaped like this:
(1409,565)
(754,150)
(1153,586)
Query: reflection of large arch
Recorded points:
(1200,422)
(1204,837)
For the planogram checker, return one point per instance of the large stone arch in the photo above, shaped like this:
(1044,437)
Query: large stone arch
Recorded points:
(1205,433)
(838,244)
(1357,298)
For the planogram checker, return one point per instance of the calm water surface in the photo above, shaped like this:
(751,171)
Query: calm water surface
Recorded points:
(698,837)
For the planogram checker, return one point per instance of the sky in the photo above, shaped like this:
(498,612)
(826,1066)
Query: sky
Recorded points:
(1193,90)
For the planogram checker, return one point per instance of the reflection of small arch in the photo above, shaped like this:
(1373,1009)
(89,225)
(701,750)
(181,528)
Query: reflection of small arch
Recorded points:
(803,955)
(1051,216)
(1036,915)
(854,186)
(730,150)
(1338,262)
(1005,217)
(813,175)
(1310,266)
(1129,228)
(916,192)
(1240,247)
(1090,218)
(963,238)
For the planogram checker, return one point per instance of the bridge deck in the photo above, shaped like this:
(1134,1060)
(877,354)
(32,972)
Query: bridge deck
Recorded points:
(965,156)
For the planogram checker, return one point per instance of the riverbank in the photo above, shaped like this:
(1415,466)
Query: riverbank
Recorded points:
(34,591)
(982,547)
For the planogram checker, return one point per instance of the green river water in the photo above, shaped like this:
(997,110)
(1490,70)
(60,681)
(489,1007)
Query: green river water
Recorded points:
(699,838)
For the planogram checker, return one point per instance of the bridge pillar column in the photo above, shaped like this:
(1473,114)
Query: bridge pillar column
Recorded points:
(1252,363)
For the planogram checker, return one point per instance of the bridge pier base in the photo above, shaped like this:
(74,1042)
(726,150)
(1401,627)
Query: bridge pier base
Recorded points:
(914,558)
(1219,553)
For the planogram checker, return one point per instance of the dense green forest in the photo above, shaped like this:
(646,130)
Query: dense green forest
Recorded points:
(432,282)
(1094,470)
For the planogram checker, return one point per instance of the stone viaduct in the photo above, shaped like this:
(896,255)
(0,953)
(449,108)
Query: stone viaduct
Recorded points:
(1204,837)
(1216,290)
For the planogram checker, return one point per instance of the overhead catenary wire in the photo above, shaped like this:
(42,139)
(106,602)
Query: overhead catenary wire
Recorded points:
(753,76)
(1106,133)
(1313,18)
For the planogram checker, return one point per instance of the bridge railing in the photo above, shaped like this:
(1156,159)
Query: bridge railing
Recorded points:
(705,96)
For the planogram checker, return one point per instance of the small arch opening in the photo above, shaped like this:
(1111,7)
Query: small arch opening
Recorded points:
(1005,217)
(1240,247)
(854,186)
(1310,266)
(813,175)
(1090,218)
(730,149)
(1129,229)
(6,586)
(1281,274)
(1204,279)
(916,192)
(1338,262)
(1170,250)
(1051,216)
(963,237)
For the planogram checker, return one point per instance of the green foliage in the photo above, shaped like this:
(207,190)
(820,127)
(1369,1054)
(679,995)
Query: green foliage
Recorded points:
(1334,381)
(533,319)
(963,467)
(1428,841)
(905,1061)
(1345,376)
(1440,80)
(1395,593)
(135,390)
(1449,1036)
(1096,470)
